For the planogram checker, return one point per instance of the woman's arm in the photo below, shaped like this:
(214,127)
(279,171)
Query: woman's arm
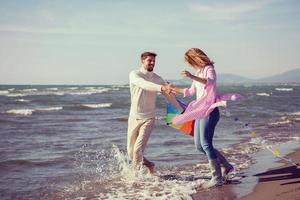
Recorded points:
(193,77)
(185,91)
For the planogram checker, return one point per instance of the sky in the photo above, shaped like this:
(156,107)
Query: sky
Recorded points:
(100,41)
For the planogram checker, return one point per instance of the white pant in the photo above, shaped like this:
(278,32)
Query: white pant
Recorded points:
(138,133)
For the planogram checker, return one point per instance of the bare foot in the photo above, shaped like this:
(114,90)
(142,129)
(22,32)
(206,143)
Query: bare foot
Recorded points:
(150,166)
(150,169)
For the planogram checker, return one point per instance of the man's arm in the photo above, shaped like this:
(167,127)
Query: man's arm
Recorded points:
(168,94)
(142,83)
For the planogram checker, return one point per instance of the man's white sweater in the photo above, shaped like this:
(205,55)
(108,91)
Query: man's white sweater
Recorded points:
(144,87)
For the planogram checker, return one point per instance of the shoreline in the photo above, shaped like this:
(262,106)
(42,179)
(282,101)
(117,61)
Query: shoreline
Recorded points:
(280,182)
(267,179)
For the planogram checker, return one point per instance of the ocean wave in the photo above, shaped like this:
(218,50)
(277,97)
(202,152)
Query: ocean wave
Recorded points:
(42,93)
(30,90)
(118,180)
(52,89)
(22,100)
(90,90)
(50,109)
(120,86)
(72,88)
(263,94)
(10,163)
(16,95)
(28,163)
(57,91)
(3,92)
(284,89)
(26,112)
(295,113)
(102,105)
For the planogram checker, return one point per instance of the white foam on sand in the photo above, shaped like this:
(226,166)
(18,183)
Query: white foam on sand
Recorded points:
(280,122)
(101,105)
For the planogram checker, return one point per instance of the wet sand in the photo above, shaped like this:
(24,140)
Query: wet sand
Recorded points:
(266,180)
(279,183)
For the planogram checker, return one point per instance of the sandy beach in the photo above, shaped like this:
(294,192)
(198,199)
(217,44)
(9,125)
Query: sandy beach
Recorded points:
(282,182)
(279,183)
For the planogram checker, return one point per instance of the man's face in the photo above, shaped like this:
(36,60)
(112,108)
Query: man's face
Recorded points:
(149,63)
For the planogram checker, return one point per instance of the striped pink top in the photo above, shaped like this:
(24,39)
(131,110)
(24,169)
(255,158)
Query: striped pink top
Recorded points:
(207,99)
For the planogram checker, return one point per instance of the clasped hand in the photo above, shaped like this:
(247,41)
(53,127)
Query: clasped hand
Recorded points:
(170,89)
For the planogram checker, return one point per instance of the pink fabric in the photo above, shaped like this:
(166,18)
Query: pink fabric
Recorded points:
(201,107)
(189,91)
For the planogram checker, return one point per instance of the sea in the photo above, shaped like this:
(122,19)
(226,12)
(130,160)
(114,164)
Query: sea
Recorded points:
(69,141)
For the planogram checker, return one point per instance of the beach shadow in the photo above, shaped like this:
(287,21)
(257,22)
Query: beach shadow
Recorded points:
(286,173)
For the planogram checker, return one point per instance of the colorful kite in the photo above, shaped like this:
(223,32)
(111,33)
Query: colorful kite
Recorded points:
(187,127)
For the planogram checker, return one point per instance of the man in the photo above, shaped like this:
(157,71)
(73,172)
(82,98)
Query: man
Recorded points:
(144,86)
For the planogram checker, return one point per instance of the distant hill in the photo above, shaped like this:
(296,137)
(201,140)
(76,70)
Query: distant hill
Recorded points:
(291,76)
(231,78)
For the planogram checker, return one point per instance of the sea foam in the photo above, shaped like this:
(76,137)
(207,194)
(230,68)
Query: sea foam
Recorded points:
(284,89)
(263,94)
(24,112)
(103,105)
(3,92)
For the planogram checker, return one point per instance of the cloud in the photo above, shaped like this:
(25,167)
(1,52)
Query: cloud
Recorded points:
(223,11)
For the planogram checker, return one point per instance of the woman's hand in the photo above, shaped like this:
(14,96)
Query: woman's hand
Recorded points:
(186,74)
(176,90)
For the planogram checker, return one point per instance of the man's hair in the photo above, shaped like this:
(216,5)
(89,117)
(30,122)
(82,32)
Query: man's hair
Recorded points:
(145,54)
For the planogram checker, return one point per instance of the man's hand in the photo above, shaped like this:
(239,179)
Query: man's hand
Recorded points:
(176,90)
(171,89)
(167,89)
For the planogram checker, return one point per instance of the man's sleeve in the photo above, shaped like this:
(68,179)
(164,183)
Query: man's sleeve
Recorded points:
(141,82)
(170,97)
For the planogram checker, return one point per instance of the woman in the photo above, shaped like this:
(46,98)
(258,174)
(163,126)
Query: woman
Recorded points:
(205,110)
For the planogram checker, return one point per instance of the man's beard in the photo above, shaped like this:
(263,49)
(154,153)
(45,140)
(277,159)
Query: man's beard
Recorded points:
(150,68)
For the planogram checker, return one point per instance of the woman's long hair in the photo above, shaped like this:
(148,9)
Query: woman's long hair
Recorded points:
(197,58)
